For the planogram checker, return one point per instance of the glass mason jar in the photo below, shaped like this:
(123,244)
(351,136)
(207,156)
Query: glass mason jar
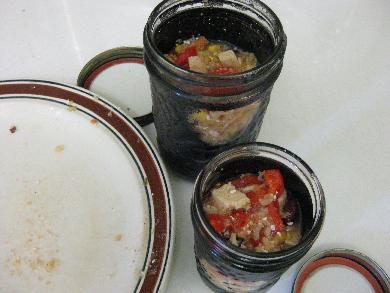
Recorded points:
(228,268)
(199,115)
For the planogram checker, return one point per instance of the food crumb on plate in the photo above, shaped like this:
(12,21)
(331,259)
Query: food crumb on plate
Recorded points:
(59,148)
(71,107)
(93,121)
(118,237)
(13,129)
(52,264)
(145,181)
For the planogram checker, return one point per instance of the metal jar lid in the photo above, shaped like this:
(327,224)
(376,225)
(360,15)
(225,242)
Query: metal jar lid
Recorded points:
(357,261)
(108,59)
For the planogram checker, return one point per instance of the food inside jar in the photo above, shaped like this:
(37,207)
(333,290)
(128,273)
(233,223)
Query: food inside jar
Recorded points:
(255,212)
(212,57)
(215,57)
(219,127)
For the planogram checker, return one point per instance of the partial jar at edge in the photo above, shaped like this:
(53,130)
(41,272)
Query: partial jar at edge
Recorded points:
(196,115)
(227,268)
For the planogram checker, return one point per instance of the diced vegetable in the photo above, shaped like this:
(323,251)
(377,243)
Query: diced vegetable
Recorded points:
(273,212)
(253,197)
(214,57)
(213,48)
(254,242)
(280,237)
(256,193)
(200,116)
(217,222)
(182,59)
(179,48)
(274,180)
(201,43)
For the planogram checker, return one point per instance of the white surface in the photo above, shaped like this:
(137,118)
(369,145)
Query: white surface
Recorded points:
(330,105)
(127,86)
(344,280)
(65,218)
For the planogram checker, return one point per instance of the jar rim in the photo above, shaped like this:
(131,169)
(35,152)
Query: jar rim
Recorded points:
(294,251)
(271,62)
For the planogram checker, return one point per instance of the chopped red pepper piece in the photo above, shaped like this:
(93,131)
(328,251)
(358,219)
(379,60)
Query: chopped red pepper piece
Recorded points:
(254,242)
(217,222)
(245,180)
(182,58)
(256,194)
(253,197)
(223,70)
(274,180)
(273,212)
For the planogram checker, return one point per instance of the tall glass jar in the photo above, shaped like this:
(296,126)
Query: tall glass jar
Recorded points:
(228,268)
(199,115)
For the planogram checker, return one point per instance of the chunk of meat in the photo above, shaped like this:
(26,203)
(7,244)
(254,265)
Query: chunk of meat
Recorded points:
(229,59)
(227,197)
(196,64)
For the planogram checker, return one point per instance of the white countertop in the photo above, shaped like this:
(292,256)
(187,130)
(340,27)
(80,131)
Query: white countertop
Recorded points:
(330,105)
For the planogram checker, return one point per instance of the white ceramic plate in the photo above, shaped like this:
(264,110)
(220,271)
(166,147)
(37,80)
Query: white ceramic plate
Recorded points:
(84,199)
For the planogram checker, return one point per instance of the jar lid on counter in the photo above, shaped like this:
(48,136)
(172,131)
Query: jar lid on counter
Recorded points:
(335,260)
(119,75)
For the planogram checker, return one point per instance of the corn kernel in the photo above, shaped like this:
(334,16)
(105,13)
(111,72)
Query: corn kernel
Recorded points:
(200,116)
(179,48)
(213,48)
(280,237)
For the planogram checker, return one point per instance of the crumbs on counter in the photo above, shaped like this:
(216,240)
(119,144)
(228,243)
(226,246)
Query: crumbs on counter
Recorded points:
(118,237)
(13,129)
(59,148)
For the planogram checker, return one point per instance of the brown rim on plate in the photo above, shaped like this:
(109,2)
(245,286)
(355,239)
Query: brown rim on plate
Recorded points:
(161,242)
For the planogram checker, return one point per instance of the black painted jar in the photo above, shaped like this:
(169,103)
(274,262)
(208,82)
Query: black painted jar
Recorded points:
(227,268)
(182,98)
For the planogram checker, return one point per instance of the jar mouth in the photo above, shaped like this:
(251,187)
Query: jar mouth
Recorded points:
(265,17)
(282,156)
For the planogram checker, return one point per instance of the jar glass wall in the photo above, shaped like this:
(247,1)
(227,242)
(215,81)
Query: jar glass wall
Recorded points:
(199,115)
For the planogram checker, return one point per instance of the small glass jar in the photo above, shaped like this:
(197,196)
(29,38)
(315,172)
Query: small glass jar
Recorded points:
(228,268)
(199,115)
